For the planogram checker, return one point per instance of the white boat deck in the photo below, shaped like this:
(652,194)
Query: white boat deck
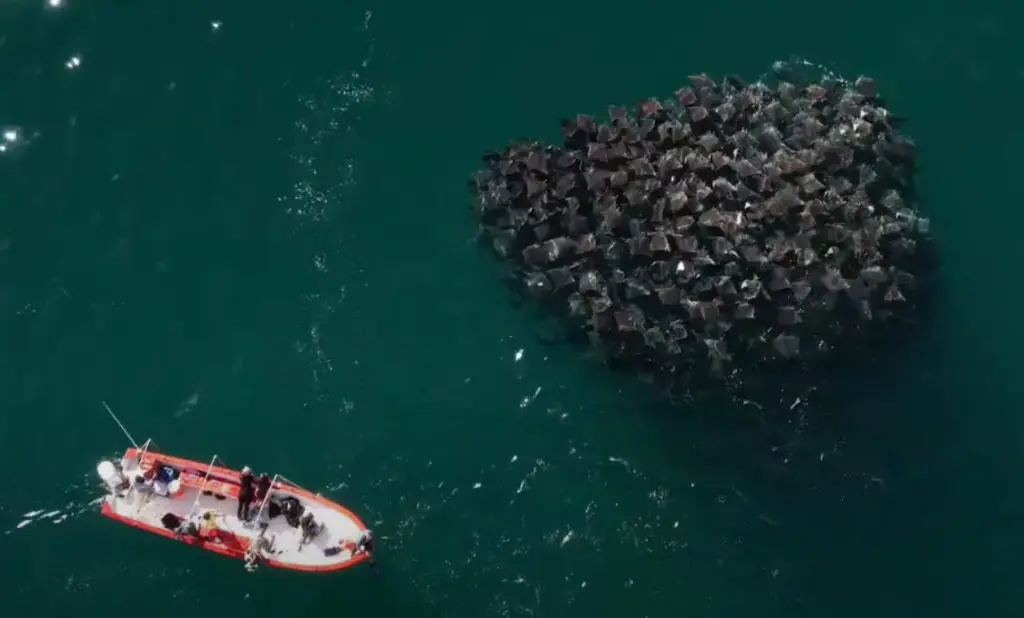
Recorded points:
(337,526)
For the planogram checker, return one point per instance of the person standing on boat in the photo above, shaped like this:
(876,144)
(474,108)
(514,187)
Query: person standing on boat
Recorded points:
(262,488)
(245,493)
(364,545)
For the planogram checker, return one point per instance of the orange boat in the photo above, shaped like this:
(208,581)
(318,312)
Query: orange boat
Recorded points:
(196,503)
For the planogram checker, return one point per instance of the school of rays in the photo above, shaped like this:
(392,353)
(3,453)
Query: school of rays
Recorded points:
(729,228)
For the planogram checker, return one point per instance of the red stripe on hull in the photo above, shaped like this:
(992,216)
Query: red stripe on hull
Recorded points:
(231,545)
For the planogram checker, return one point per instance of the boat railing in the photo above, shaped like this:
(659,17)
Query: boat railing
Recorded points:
(292,483)
(140,455)
(202,486)
(263,503)
(278,482)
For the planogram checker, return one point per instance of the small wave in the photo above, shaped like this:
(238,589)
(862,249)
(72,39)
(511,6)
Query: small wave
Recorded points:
(798,69)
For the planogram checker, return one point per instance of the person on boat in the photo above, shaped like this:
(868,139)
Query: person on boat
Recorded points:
(188,527)
(245,493)
(310,528)
(364,544)
(208,524)
(258,552)
(156,480)
(292,510)
(262,488)
(264,545)
(144,487)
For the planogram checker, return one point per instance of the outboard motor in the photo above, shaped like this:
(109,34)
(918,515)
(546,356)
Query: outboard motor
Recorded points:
(111,476)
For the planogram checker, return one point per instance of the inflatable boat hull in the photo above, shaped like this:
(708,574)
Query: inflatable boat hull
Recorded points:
(332,549)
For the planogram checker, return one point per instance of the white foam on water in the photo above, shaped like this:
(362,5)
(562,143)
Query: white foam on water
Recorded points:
(492,550)
(330,113)
(324,191)
(530,398)
(524,483)
(806,68)
(568,537)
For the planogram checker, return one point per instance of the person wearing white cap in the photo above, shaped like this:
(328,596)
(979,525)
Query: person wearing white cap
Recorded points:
(245,493)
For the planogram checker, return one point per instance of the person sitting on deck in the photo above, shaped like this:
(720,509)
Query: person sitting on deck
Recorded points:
(263,546)
(258,552)
(144,487)
(180,527)
(245,493)
(310,528)
(292,510)
(149,483)
(156,477)
(188,527)
(208,526)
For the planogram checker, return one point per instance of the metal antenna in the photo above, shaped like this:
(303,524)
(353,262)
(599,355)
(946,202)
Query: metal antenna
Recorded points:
(119,424)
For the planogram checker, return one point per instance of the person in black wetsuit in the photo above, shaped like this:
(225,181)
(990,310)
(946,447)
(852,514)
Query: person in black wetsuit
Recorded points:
(364,544)
(245,493)
(262,488)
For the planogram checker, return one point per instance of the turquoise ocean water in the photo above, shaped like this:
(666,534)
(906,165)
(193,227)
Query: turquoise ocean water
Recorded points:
(246,227)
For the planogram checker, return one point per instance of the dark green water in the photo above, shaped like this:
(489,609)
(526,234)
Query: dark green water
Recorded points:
(253,241)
